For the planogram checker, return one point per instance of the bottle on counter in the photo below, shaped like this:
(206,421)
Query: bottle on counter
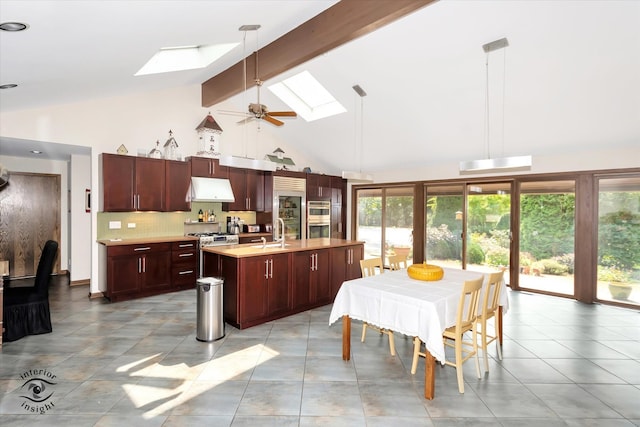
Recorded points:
(200,216)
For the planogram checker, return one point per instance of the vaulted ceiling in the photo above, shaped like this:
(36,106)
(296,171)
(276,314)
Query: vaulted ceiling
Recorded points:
(568,81)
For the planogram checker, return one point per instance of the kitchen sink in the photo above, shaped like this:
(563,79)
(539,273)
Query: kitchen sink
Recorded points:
(270,245)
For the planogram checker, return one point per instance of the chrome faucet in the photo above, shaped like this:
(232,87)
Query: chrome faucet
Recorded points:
(282,234)
(264,242)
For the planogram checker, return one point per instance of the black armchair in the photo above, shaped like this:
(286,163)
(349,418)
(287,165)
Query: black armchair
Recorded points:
(26,309)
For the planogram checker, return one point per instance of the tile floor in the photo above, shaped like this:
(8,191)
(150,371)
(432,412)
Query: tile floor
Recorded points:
(138,363)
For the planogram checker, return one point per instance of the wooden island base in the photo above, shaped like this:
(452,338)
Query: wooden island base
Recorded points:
(268,282)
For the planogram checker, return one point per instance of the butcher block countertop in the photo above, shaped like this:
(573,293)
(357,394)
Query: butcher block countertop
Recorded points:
(256,249)
(146,240)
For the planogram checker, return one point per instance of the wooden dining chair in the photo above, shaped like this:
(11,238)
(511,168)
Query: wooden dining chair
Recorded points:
(454,336)
(371,267)
(488,310)
(397,262)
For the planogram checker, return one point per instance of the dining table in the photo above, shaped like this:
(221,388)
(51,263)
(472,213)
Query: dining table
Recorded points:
(412,307)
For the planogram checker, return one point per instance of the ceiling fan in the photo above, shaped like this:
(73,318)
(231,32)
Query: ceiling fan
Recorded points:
(257,110)
(260,111)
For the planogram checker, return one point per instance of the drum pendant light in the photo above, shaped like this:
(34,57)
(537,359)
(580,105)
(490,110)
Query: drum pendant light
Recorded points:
(490,163)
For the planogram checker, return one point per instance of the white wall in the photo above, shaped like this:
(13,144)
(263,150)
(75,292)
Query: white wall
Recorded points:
(80,220)
(56,167)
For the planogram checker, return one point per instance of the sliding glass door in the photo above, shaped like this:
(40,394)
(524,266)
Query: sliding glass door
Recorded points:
(385,222)
(444,219)
(547,236)
(618,264)
(488,227)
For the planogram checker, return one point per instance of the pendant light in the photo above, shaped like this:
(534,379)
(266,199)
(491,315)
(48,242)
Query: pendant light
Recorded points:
(352,175)
(488,164)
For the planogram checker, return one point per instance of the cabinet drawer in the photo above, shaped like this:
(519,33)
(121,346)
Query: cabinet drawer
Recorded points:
(137,249)
(186,256)
(183,276)
(184,245)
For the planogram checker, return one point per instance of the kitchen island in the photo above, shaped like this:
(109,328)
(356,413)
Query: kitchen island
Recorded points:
(267,282)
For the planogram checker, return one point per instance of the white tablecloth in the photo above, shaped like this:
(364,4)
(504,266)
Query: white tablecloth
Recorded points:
(412,307)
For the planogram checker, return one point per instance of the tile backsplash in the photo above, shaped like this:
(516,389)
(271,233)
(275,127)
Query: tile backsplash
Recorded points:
(158,224)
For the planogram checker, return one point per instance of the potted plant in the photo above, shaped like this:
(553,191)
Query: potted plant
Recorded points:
(618,281)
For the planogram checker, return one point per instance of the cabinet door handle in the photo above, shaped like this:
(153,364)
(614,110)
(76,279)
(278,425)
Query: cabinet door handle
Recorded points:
(146,248)
(138,197)
(266,268)
(139,265)
(185,255)
(144,264)
(186,245)
(186,272)
(271,265)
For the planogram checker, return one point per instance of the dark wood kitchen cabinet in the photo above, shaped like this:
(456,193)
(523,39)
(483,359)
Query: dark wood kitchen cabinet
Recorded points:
(177,181)
(248,190)
(207,167)
(264,288)
(132,183)
(310,282)
(345,265)
(318,187)
(184,264)
(137,270)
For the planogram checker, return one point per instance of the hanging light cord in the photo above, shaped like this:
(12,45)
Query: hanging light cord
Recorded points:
(486,107)
(361,131)
(504,89)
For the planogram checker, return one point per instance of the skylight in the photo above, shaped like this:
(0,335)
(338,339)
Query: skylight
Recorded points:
(181,58)
(307,97)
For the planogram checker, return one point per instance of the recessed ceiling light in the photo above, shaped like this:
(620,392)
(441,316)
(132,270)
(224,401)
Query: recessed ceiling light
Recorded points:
(9,86)
(36,152)
(13,26)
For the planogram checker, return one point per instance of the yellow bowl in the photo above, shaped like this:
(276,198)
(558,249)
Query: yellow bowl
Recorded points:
(425,271)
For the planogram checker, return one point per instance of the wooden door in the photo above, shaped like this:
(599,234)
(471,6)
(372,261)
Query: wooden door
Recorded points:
(253,292)
(118,183)
(238,180)
(301,290)
(150,188)
(278,284)
(178,178)
(29,216)
(321,282)
(123,276)
(156,270)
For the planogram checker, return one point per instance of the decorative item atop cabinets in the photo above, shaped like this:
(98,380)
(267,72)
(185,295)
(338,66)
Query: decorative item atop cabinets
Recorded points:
(122,149)
(282,162)
(156,153)
(171,148)
(209,135)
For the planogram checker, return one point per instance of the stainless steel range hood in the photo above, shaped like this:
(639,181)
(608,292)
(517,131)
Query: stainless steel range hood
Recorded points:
(210,190)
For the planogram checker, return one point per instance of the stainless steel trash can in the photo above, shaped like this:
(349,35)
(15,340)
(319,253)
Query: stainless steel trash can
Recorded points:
(209,315)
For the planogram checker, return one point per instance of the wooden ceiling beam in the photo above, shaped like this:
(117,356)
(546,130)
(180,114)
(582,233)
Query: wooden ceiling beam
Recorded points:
(337,25)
